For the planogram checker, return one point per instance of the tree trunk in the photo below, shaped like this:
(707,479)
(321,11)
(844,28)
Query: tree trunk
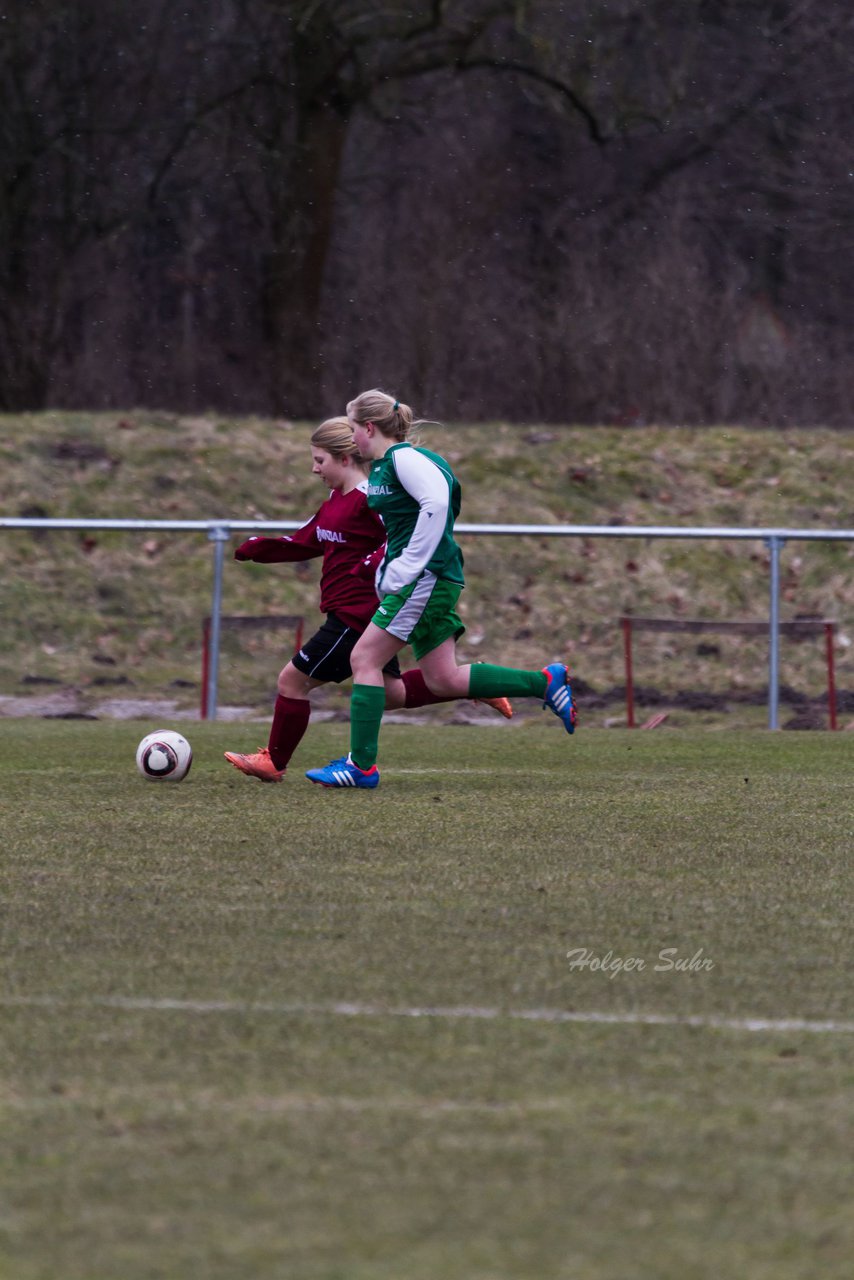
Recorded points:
(302,230)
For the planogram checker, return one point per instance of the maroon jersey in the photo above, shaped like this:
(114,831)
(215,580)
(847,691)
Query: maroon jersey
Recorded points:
(344,531)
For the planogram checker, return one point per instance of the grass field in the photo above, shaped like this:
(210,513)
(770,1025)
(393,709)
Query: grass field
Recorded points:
(258,1031)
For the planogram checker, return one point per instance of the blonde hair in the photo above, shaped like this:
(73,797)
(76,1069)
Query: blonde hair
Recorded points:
(335,435)
(389,416)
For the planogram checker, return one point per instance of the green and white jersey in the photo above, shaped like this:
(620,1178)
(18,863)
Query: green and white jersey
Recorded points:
(417,497)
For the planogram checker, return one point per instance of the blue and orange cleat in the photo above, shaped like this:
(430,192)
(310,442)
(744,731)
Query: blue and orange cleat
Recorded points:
(559,695)
(343,773)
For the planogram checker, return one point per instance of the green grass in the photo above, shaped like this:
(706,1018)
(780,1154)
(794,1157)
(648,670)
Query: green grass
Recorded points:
(120,614)
(250,1128)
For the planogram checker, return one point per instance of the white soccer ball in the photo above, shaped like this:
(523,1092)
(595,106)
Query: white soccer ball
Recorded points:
(164,756)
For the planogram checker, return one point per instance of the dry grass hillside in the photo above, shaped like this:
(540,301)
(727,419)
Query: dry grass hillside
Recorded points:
(118,615)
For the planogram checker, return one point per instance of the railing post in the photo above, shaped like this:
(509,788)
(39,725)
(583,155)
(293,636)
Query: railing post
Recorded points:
(219,536)
(206,666)
(831,675)
(774,543)
(630,684)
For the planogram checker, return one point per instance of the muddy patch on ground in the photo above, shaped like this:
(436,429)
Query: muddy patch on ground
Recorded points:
(71,704)
(74,704)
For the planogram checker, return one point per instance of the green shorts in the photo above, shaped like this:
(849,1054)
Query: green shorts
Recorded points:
(422,614)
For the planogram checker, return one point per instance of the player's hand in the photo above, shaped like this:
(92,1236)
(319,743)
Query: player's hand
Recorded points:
(264,550)
(393,578)
(244,551)
(367,567)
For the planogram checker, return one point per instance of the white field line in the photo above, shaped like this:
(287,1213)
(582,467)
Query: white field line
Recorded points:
(284,1104)
(347,1009)
(451,770)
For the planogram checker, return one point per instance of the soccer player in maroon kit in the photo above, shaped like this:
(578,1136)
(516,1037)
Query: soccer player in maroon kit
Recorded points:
(346,533)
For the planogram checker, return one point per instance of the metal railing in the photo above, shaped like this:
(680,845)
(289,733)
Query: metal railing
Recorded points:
(219,532)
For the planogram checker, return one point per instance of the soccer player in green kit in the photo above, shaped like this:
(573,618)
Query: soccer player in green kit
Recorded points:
(419,581)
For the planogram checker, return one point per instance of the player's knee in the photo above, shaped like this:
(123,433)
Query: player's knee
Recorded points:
(447,681)
(441,686)
(290,682)
(395,695)
(362,664)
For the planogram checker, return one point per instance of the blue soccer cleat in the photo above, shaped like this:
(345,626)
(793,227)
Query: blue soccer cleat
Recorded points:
(343,773)
(559,695)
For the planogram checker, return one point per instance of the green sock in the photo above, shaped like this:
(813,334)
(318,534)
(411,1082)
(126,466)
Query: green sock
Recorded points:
(487,681)
(366,713)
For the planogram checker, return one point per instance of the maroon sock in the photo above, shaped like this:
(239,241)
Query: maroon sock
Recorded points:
(417,693)
(290,721)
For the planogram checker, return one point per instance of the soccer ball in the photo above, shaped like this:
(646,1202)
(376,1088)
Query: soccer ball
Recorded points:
(164,756)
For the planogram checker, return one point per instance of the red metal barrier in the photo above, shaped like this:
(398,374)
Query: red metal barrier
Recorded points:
(244,623)
(800,627)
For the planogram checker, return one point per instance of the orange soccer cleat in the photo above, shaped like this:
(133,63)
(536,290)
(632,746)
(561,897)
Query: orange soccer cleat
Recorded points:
(502,705)
(258,765)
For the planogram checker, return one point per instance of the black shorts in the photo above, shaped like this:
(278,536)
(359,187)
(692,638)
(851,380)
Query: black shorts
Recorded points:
(326,656)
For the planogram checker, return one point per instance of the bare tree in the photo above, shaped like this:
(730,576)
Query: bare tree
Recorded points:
(76,90)
(621,209)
